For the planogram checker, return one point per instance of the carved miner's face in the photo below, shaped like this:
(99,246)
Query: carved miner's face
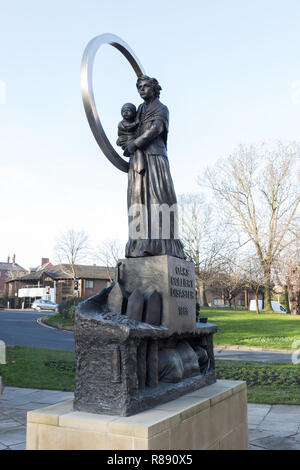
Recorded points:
(145,90)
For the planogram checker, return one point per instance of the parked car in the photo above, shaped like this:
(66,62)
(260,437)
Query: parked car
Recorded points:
(42,304)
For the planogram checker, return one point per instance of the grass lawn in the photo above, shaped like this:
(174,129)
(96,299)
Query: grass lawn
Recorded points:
(54,370)
(38,368)
(245,328)
(60,322)
(273,383)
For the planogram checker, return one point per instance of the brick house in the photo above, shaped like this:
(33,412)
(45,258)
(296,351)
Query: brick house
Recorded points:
(216,298)
(9,270)
(56,283)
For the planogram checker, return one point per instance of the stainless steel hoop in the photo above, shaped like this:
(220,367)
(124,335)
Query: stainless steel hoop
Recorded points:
(86,78)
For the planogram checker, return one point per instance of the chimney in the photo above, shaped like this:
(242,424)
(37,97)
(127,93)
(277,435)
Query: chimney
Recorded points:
(8,259)
(44,261)
(14,258)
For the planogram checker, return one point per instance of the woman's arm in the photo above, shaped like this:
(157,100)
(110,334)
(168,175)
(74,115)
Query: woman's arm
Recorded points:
(144,139)
(154,130)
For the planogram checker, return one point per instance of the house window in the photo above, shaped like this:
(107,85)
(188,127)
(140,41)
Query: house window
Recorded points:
(89,284)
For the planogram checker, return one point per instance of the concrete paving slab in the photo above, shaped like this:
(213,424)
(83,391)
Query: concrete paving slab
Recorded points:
(286,410)
(4,417)
(8,424)
(255,434)
(254,447)
(18,391)
(278,427)
(17,402)
(20,406)
(277,443)
(17,415)
(12,436)
(18,446)
(283,434)
(255,419)
(281,419)
(258,409)
(252,427)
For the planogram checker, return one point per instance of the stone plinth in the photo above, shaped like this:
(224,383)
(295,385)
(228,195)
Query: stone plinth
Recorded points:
(173,278)
(212,418)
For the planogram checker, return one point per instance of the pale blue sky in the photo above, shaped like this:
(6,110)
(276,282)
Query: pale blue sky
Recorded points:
(227,69)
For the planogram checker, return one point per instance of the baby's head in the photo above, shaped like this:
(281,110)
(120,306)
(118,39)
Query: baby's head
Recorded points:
(128,112)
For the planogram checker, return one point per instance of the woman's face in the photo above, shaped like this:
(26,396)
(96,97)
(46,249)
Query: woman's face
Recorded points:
(145,90)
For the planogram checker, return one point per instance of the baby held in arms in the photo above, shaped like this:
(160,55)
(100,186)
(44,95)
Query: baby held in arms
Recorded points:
(127,131)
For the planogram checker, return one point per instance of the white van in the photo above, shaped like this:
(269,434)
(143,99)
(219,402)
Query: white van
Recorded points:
(276,306)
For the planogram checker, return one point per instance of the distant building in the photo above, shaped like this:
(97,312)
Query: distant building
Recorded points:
(45,263)
(9,270)
(56,283)
(216,297)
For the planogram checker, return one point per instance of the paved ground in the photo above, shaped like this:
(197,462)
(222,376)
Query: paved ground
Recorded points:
(14,404)
(275,427)
(251,355)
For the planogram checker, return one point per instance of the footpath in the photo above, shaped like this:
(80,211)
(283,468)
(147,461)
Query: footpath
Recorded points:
(271,427)
(237,353)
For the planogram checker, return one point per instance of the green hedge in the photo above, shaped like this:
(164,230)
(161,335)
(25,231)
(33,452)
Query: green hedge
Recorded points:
(67,307)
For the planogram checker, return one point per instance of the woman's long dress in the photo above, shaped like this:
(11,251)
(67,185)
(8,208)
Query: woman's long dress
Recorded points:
(153,227)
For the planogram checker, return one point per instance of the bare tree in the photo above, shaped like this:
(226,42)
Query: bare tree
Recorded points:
(109,252)
(257,191)
(287,275)
(204,241)
(230,280)
(72,247)
(253,276)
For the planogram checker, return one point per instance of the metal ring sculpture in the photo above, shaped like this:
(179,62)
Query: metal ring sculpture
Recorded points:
(86,78)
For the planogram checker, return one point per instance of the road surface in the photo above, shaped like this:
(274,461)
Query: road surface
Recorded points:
(20,328)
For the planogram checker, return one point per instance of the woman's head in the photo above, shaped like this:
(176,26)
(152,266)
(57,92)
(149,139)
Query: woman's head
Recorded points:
(148,86)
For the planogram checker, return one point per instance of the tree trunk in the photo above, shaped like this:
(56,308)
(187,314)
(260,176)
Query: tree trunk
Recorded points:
(293,300)
(203,299)
(267,286)
(286,298)
(246,298)
(256,302)
(293,306)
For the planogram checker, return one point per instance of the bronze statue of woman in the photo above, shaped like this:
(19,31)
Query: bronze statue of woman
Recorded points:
(152,204)
(151,196)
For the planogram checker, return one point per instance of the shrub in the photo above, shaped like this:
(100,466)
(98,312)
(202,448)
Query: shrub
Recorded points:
(67,307)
